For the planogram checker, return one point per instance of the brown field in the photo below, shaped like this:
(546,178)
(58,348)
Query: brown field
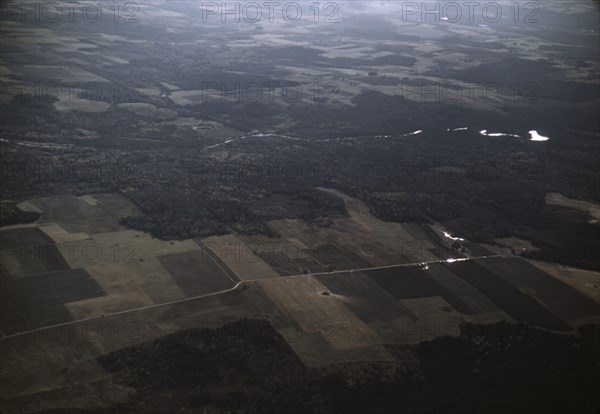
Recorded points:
(128,261)
(369,239)
(29,251)
(520,306)
(95,213)
(328,331)
(131,287)
(35,301)
(60,235)
(28,206)
(387,317)
(436,318)
(328,319)
(412,283)
(484,310)
(557,199)
(41,368)
(197,273)
(585,281)
(113,302)
(560,298)
(332,256)
(125,264)
(239,257)
(286,266)
(286,257)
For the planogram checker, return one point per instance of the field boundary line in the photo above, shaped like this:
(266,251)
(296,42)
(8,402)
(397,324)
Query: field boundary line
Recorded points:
(233,288)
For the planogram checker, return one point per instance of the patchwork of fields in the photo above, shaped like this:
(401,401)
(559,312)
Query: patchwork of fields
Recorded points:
(77,284)
(290,197)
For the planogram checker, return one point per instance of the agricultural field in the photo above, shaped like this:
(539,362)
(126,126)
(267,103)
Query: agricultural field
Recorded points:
(387,317)
(311,284)
(239,257)
(365,240)
(93,213)
(411,283)
(82,240)
(482,309)
(62,353)
(35,301)
(520,306)
(593,209)
(197,273)
(27,252)
(586,282)
(326,330)
(286,256)
(561,299)
(364,210)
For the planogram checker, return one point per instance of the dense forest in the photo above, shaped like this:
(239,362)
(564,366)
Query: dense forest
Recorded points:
(246,367)
(480,187)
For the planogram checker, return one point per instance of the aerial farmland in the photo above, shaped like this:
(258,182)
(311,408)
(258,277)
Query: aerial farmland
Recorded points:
(306,207)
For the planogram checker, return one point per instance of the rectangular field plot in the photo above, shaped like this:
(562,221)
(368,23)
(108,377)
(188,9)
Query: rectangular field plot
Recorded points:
(198,273)
(282,265)
(561,298)
(325,329)
(586,282)
(470,296)
(520,306)
(26,252)
(435,318)
(412,283)
(238,256)
(369,238)
(365,298)
(89,214)
(286,266)
(339,258)
(56,233)
(286,257)
(35,301)
(388,318)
